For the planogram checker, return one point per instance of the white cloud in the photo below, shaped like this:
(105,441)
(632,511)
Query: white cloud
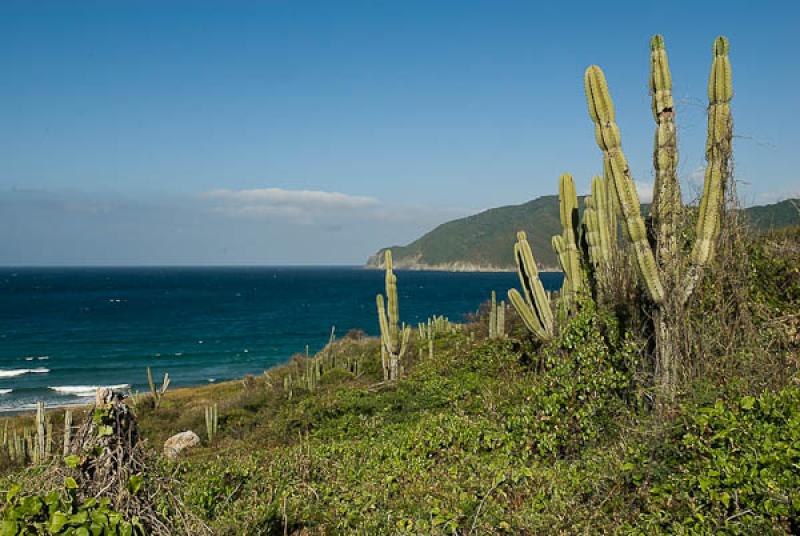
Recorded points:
(645,191)
(304,207)
(292,198)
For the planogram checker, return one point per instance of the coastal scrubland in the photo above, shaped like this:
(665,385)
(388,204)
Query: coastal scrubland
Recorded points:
(507,435)
(656,393)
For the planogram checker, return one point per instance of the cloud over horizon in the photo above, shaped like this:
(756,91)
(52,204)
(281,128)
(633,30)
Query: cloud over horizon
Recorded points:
(255,226)
(298,206)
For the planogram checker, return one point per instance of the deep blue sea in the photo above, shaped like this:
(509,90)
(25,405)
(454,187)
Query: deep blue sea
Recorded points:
(65,331)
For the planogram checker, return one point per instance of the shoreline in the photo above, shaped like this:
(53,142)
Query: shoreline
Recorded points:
(183,390)
(454,269)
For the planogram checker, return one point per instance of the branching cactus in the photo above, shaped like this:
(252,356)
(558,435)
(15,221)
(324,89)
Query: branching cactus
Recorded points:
(394,338)
(534,308)
(157,394)
(660,270)
(615,195)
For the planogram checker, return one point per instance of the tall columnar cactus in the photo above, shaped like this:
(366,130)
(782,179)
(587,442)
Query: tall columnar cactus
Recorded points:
(666,205)
(500,331)
(534,309)
(394,339)
(601,110)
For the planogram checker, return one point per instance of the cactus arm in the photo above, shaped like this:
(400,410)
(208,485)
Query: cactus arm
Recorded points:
(530,320)
(666,190)
(718,162)
(603,217)
(529,277)
(592,233)
(568,204)
(601,110)
(561,252)
(718,153)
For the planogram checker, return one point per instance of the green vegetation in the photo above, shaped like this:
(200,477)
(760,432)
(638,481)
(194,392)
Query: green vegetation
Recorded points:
(507,435)
(60,512)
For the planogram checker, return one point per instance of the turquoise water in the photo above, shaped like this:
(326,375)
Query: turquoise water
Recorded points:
(64,331)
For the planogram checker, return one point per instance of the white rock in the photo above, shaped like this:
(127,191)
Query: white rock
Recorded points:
(180,442)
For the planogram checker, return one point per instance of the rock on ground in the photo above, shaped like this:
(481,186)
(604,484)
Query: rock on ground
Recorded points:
(180,442)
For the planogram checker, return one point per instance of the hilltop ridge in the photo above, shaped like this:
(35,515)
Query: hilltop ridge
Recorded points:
(483,242)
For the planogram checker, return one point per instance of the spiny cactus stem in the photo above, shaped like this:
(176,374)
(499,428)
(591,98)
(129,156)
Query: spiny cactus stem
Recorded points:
(601,110)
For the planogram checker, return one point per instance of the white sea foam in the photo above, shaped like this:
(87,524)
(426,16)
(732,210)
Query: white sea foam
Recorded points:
(11,373)
(86,390)
(38,358)
(5,391)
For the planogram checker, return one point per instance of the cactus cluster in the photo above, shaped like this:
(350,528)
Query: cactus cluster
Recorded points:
(34,444)
(308,370)
(614,195)
(435,325)
(394,337)
(534,308)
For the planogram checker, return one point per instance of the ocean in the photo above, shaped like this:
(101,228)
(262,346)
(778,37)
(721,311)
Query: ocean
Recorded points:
(65,331)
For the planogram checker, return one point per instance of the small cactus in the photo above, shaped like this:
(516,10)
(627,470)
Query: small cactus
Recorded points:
(212,422)
(157,394)
(41,446)
(67,431)
(394,339)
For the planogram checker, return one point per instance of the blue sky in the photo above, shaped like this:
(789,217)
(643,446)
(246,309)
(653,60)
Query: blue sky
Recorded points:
(280,132)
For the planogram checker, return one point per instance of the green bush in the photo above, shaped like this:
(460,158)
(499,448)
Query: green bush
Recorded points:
(734,468)
(62,513)
(587,376)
